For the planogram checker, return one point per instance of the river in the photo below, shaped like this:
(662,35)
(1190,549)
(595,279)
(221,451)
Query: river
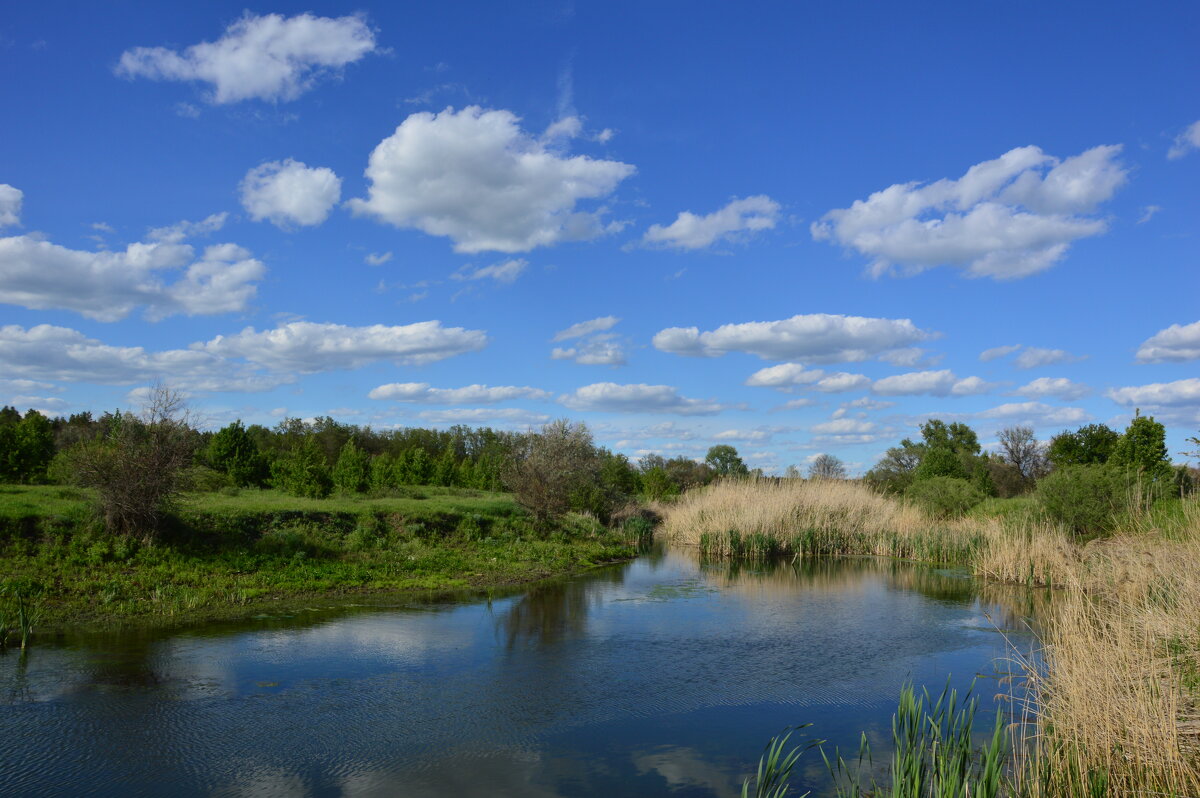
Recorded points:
(662,676)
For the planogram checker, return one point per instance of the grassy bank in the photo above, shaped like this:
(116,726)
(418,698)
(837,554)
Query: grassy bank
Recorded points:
(1116,691)
(225,554)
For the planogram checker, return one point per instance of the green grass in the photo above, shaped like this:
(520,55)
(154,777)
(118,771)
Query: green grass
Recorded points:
(227,555)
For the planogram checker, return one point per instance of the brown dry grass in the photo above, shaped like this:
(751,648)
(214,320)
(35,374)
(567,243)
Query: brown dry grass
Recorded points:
(1116,689)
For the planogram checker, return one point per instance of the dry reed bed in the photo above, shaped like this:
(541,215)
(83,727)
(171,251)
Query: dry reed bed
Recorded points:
(1115,691)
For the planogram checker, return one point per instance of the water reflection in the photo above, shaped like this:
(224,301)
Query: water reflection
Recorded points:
(663,675)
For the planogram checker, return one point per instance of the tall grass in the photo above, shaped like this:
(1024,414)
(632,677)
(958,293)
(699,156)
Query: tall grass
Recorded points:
(1115,689)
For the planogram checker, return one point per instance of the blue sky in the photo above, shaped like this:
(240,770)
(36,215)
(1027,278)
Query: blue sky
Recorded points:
(795,228)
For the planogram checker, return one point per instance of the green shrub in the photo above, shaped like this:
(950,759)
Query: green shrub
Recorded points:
(1085,498)
(944,497)
(203,479)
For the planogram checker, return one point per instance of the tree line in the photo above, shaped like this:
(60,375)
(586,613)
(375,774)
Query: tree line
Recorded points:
(1082,477)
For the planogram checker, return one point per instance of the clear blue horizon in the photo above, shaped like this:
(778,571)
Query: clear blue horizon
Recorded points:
(794,229)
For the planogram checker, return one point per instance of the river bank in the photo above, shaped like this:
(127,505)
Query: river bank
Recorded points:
(226,555)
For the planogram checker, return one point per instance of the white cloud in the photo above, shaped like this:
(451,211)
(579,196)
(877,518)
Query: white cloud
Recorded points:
(180,231)
(378,258)
(740,217)
(477,178)
(1006,218)
(599,348)
(844,426)
(1148,213)
(761,435)
(816,337)
(290,193)
(841,382)
(484,415)
(1058,387)
(269,57)
(46,352)
(998,352)
(1036,413)
(796,404)
(934,383)
(308,347)
(108,286)
(471,394)
(595,351)
(10,205)
(867,403)
(1186,141)
(637,398)
(1177,343)
(1036,356)
(505,272)
(909,357)
(784,375)
(590,327)
(1181,393)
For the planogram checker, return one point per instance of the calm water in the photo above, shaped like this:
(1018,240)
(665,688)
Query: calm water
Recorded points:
(657,677)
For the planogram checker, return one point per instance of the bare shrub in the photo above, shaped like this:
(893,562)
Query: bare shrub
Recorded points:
(140,467)
(551,467)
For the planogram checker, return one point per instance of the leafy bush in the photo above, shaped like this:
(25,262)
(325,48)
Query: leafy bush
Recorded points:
(944,497)
(303,472)
(1085,498)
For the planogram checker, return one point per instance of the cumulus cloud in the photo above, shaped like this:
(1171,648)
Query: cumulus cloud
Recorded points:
(908,357)
(740,218)
(595,351)
(1148,213)
(378,258)
(933,383)
(1180,393)
(421,392)
(308,347)
(475,177)
(997,352)
(1058,387)
(11,198)
(590,327)
(761,435)
(786,376)
(505,272)
(60,354)
(1175,344)
(867,403)
(108,286)
(290,193)
(1036,413)
(637,398)
(844,426)
(1006,218)
(816,337)
(1186,141)
(269,57)
(796,404)
(1036,356)
(598,347)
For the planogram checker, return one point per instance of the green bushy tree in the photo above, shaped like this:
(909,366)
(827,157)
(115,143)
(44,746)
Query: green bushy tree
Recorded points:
(234,452)
(1091,444)
(944,497)
(1084,498)
(1142,450)
(303,471)
(352,471)
(725,461)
